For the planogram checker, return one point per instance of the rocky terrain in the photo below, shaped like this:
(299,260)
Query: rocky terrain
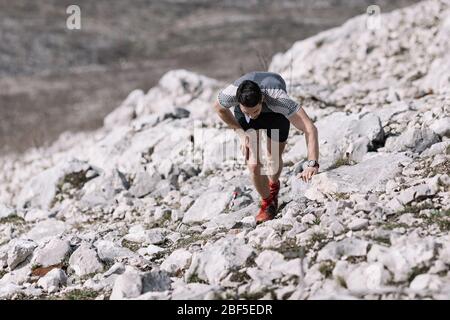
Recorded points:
(157,203)
(53,79)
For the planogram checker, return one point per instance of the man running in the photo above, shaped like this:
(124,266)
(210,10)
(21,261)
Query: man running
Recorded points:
(261,102)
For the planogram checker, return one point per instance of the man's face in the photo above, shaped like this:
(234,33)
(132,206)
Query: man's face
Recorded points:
(252,112)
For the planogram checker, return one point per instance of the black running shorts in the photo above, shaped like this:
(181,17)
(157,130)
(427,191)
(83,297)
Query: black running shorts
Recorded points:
(268,121)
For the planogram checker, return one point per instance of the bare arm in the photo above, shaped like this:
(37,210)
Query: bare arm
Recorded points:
(303,123)
(226,116)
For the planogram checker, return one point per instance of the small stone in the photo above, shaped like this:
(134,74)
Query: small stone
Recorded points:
(6,212)
(53,280)
(441,126)
(85,261)
(426,282)
(37,214)
(358,224)
(52,253)
(19,252)
(177,261)
(308,218)
(127,285)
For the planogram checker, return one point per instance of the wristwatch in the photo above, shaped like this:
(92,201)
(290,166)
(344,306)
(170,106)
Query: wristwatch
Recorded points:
(312,163)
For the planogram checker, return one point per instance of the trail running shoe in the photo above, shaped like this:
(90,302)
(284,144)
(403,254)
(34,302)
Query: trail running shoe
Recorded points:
(274,189)
(267,210)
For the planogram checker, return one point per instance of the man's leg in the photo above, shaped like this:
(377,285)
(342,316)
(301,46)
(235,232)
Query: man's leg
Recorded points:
(275,158)
(268,207)
(275,150)
(254,164)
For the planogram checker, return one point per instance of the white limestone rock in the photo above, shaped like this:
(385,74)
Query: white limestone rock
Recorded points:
(41,190)
(52,253)
(207,206)
(177,261)
(217,259)
(84,261)
(19,251)
(53,280)
(348,247)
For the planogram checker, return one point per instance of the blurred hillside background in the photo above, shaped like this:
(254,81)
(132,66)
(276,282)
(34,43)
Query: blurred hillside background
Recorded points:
(53,79)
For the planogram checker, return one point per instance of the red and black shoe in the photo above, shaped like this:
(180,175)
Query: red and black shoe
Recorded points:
(274,189)
(267,210)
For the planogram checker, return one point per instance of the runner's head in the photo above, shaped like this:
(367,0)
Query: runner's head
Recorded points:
(250,98)
(249,94)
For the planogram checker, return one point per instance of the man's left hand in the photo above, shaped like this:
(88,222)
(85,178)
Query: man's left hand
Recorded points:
(306,174)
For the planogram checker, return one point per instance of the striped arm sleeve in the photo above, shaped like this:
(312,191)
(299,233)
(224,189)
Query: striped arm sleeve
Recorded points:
(227,97)
(279,101)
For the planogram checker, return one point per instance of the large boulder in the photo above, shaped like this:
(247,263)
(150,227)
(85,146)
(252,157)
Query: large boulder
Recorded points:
(139,234)
(46,230)
(208,206)
(103,189)
(52,253)
(19,251)
(406,254)
(133,283)
(415,139)
(218,259)
(177,261)
(441,127)
(41,190)
(369,175)
(84,261)
(144,181)
(341,136)
(270,261)
(53,280)
(127,285)
(108,251)
(349,247)
(181,88)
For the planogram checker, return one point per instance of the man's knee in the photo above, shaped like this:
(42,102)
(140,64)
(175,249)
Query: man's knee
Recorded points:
(254,168)
(273,168)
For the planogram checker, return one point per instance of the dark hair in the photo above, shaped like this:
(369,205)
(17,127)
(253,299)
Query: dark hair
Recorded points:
(249,93)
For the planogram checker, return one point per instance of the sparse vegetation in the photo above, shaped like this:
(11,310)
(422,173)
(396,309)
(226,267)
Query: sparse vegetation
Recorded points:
(439,217)
(416,208)
(416,271)
(240,277)
(195,279)
(290,249)
(69,186)
(382,240)
(184,243)
(133,246)
(442,168)
(393,225)
(341,282)
(14,219)
(258,295)
(341,196)
(79,294)
(356,259)
(318,237)
(326,268)
(343,161)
